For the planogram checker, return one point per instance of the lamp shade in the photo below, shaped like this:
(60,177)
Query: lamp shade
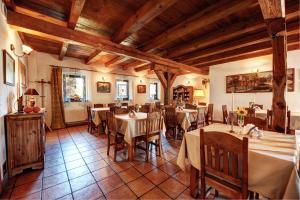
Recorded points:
(31,91)
(199,93)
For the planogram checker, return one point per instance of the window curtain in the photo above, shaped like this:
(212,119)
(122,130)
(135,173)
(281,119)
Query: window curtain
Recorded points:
(57,105)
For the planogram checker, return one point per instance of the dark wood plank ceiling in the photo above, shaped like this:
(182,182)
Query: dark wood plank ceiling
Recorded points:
(198,33)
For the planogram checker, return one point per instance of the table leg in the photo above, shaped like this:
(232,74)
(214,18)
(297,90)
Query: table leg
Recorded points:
(131,150)
(194,181)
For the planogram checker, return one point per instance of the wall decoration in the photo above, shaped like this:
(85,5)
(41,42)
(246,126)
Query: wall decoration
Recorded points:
(103,87)
(8,69)
(141,88)
(256,82)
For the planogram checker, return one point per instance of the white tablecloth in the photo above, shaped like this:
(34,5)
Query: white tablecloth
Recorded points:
(99,114)
(127,125)
(295,118)
(185,117)
(272,161)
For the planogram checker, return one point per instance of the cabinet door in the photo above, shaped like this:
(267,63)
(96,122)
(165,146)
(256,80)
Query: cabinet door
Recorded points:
(26,141)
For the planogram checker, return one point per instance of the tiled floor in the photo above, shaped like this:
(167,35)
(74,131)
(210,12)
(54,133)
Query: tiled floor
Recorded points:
(77,167)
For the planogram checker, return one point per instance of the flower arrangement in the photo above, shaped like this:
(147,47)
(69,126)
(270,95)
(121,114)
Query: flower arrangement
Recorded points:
(241,112)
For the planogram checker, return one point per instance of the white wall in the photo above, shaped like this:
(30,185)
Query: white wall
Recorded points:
(8,94)
(39,67)
(218,73)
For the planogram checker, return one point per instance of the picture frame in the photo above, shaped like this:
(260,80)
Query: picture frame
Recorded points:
(141,89)
(8,69)
(257,82)
(103,87)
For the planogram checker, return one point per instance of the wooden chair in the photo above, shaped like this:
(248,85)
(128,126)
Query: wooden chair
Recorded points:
(270,119)
(153,130)
(209,114)
(250,112)
(225,114)
(288,128)
(171,120)
(202,104)
(222,155)
(98,105)
(113,108)
(190,106)
(258,105)
(157,105)
(113,137)
(200,122)
(260,123)
(121,110)
(130,108)
(91,125)
(111,105)
(124,104)
(145,108)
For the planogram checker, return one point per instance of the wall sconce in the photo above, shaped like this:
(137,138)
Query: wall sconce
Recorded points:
(26,50)
(205,82)
(141,81)
(103,78)
(188,82)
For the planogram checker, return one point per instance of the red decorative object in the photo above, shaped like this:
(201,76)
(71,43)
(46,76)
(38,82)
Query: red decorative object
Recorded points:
(28,109)
(36,109)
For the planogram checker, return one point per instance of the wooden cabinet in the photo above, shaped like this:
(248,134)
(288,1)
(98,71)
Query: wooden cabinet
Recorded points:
(25,136)
(183,93)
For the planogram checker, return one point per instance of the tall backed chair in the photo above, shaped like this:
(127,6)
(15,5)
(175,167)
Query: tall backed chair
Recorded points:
(145,108)
(124,104)
(91,125)
(111,105)
(171,120)
(270,118)
(209,114)
(225,114)
(250,112)
(121,110)
(222,156)
(260,123)
(98,105)
(113,138)
(190,106)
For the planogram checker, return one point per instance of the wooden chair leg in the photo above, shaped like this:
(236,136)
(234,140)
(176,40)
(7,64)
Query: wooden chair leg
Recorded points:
(147,151)
(108,144)
(160,147)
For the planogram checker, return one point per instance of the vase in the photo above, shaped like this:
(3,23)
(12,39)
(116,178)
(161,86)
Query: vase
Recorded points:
(241,121)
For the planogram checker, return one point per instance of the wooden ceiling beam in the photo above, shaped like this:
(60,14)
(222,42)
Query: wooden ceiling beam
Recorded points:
(63,51)
(135,63)
(115,61)
(201,19)
(93,57)
(35,26)
(272,8)
(76,8)
(10,4)
(142,68)
(161,77)
(143,15)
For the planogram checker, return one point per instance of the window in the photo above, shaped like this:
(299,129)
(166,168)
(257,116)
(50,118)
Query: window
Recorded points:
(74,88)
(153,91)
(123,90)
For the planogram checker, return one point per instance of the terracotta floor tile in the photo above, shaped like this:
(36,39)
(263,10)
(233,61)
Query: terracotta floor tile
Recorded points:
(73,157)
(81,182)
(103,173)
(157,161)
(26,189)
(155,194)
(67,197)
(79,171)
(169,168)
(29,177)
(183,177)
(144,167)
(130,175)
(70,152)
(157,176)
(54,170)
(54,180)
(92,158)
(140,186)
(88,153)
(120,166)
(54,162)
(53,156)
(185,195)
(168,156)
(56,191)
(90,192)
(33,196)
(97,165)
(74,164)
(110,183)
(122,192)
(6,194)
(172,187)
(85,148)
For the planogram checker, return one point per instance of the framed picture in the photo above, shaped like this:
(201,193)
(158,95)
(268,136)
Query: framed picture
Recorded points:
(8,69)
(103,87)
(256,82)
(141,88)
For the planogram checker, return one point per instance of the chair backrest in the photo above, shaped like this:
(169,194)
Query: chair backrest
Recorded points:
(157,105)
(259,106)
(89,113)
(250,112)
(141,126)
(121,110)
(222,156)
(200,116)
(154,123)
(202,104)
(130,108)
(111,122)
(170,115)
(260,123)
(269,118)
(145,108)
(190,106)
(210,110)
(98,105)
(225,114)
(288,128)
(124,104)
(111,104)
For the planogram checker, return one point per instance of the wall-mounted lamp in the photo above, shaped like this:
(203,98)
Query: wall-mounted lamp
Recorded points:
(205,82)
(141,81)
(26,50)
(103,78)
(188,82)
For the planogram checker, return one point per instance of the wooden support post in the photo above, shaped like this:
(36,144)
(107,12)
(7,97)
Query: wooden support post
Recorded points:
(167,79)
(274,15)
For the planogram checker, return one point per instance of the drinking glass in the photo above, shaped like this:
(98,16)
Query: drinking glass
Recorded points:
(241,123)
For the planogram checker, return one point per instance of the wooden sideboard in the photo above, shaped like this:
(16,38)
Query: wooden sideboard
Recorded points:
(25,139)
(184,93)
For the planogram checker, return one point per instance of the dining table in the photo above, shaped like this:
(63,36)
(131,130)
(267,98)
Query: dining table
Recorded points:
(126,125)
(99,114)
(185,117)
(272,161)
